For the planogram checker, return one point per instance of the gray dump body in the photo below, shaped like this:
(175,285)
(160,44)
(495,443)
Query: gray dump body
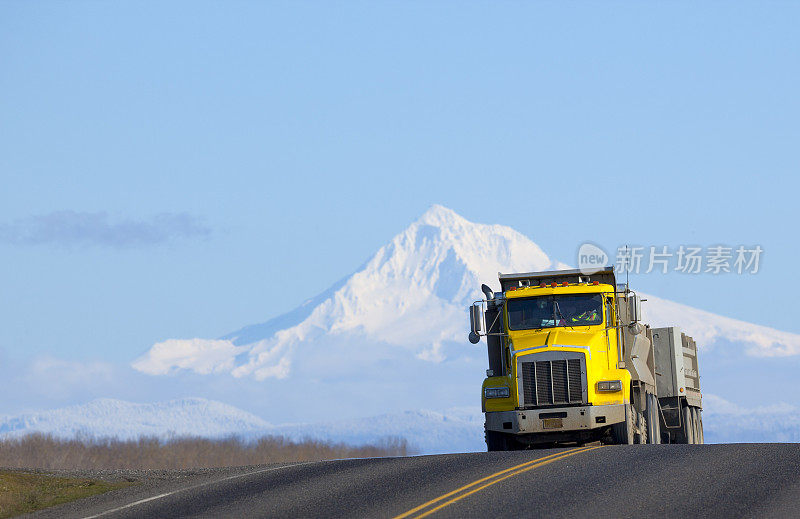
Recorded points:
(677,370)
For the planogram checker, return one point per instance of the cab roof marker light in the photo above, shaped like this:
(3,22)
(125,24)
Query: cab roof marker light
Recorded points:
(595,282)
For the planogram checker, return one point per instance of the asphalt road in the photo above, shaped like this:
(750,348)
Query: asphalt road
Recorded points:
(738,480)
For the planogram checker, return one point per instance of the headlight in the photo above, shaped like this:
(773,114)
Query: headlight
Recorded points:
(609,386)
(496,392)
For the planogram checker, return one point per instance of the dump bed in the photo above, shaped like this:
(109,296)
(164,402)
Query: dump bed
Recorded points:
(525,279)
(677,370)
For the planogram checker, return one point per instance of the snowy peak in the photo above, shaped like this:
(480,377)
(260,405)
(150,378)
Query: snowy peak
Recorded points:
(450,257)
(440,216)
(425,275)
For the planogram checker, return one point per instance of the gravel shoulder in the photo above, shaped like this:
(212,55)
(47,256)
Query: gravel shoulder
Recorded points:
(142,484)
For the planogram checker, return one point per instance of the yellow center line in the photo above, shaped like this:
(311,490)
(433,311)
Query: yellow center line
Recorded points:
(498,480)
(517,469)
(432,501)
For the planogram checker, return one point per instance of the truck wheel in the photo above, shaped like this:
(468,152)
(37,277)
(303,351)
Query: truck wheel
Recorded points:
(687,428)
(622,433)
(657,418)
(495,441)
(640,437)
(698,426)
(653,422)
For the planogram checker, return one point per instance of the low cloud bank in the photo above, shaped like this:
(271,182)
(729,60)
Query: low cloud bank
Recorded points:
(81,229)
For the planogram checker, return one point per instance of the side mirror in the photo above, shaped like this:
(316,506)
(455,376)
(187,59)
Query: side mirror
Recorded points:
(475,323)
(634,308)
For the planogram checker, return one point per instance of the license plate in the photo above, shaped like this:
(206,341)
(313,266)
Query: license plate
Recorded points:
(552,423)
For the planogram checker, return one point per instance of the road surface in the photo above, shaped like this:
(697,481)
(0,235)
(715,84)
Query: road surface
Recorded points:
(737,480)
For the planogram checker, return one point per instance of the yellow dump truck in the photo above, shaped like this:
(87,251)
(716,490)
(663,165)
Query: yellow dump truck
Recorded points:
(571,361)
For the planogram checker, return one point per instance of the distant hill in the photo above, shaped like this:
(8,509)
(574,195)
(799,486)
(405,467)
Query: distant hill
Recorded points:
(427,432)
(106,417)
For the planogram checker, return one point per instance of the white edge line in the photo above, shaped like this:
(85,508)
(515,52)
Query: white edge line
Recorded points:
(161,496)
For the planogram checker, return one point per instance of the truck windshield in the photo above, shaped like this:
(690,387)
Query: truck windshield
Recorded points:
(550,311)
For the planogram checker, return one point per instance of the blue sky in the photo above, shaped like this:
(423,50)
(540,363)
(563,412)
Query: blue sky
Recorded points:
(244,156)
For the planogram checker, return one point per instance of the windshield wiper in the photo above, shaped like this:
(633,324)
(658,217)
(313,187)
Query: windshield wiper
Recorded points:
(558,309)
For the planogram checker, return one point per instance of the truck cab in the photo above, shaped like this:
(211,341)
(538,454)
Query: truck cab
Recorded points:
(569,361)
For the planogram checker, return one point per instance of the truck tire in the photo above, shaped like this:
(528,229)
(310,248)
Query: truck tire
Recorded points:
(497,441)
(640,431)
(700,420)
(657,418)
(653,422)
(622,433)
(687,425)
(698,426)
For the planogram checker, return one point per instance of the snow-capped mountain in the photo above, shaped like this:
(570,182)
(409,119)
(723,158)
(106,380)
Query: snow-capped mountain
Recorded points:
(107,417)
(412,295)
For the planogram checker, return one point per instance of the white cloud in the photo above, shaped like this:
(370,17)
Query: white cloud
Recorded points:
(73,229)
(265,360)
(214,356)
(279,370)
(204,356)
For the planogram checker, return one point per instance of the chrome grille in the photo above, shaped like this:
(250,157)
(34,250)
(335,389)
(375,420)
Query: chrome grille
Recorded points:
(552,382)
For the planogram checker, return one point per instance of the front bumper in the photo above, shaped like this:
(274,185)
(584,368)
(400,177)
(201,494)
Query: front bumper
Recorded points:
(581,418)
